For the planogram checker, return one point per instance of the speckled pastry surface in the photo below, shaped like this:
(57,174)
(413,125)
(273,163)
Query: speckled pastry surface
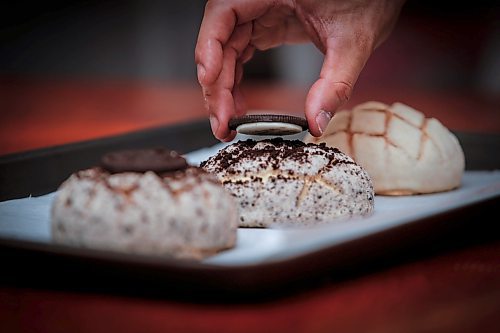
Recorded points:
(182,214)
(280,182)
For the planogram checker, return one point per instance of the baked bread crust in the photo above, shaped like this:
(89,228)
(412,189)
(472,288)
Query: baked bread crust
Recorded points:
(404,152)
(182,214)
(285,182)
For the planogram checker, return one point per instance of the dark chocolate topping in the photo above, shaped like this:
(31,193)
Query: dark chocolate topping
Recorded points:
(141,160)
(259,118)
(277,151)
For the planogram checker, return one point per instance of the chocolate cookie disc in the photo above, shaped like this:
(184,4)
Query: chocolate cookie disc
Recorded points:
(268,124)
(142,160)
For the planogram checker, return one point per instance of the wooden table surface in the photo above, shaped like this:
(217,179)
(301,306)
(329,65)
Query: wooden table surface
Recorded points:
(43,113)
(457,290)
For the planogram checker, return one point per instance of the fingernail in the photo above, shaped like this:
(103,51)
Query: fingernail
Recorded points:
(322,119)
(214,124)
(201,72)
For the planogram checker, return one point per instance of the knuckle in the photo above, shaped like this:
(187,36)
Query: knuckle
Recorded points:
(343,90)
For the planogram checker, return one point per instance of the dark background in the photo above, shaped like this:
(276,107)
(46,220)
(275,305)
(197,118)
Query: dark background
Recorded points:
(436,45)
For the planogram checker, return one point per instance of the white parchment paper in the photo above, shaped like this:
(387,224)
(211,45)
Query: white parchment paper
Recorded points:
(29,219)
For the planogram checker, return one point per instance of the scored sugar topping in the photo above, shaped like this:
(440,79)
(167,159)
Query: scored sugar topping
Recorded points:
(274,154)
(175,182)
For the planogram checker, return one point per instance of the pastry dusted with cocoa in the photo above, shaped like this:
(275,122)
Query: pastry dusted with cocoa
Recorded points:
(176,210)
(278,181)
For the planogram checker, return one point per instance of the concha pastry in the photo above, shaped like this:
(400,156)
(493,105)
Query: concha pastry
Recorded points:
(403,151)
(285,182)
(183,213)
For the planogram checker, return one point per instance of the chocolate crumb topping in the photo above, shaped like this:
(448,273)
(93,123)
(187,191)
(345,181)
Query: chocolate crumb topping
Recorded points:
(277,181)
(274,150)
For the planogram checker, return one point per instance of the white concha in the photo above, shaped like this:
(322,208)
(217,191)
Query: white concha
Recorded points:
(403,151)
(186,214)
(285,182)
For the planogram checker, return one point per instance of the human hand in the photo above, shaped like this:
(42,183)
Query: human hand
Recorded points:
(346,31)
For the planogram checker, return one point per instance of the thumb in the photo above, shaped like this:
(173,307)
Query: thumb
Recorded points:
(343,62)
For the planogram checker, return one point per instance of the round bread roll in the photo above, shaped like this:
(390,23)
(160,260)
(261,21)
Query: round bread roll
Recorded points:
(404,152)
(284,182)
(182,214)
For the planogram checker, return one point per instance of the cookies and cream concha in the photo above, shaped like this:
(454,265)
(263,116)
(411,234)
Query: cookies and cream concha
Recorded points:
(403,151)
(183,213)
(279,182)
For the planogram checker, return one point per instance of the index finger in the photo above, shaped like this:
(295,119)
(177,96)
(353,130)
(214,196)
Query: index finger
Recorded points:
(219,20)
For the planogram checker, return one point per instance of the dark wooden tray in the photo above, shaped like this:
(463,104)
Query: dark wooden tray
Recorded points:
(35,264)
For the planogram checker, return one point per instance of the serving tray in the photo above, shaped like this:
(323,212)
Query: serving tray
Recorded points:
(265,262)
